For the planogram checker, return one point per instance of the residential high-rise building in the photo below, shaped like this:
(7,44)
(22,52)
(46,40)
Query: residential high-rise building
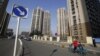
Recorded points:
(62,23)
(84,18)
(37,21)
(46,23)
(41,21)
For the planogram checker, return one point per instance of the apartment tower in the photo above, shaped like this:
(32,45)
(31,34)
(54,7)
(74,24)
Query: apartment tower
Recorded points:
(37,21)
(62,24)
(41,21)
(84,18)
(46,23)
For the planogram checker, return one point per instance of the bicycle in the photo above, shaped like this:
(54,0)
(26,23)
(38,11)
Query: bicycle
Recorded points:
(80,50)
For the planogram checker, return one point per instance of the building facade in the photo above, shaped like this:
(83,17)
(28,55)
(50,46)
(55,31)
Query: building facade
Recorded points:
(5,24)
(41,21)
(83,18)
(62,23)
(46,23)
(37,21)
(3,15)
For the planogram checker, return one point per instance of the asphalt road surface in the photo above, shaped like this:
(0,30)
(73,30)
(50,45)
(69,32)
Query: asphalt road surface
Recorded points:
(6,47)
(35,48)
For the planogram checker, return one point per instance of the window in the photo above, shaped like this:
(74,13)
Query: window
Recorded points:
(74,20)
(79,20)
(73,9)
(74,17)
(75,27)
(72,1)
(76,4)
(74,23)
(81,37)
(80,32)
(73,12)
(75,33)
(72,5)
(75,37)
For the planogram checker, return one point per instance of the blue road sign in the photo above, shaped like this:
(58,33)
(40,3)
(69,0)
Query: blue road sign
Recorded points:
(19,11)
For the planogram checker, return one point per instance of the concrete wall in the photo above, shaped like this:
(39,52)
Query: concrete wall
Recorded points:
(89,40)
(69,39)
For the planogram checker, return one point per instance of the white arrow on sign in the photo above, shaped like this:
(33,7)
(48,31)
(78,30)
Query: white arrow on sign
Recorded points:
(21,12)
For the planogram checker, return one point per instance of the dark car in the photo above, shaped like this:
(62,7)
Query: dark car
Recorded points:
(29,39)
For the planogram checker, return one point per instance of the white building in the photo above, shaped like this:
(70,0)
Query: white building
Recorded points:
(62,23)
(46,23)
(41,21)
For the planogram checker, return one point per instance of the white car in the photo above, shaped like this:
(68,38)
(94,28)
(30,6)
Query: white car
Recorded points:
(25,38)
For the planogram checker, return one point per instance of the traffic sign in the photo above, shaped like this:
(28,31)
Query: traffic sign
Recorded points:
(20,11)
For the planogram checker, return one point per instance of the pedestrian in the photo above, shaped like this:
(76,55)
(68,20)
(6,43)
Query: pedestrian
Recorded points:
(80,47)
(94,43)
(75,44)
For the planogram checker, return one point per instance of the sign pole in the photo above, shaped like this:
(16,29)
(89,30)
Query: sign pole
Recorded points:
(20,12)
(17,31)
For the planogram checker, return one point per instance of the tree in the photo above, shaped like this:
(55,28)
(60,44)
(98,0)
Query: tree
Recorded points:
(36,32)
(32,33)
(9,34)
(40,33)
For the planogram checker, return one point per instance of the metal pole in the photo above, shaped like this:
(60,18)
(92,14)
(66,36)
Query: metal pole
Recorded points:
(17,31)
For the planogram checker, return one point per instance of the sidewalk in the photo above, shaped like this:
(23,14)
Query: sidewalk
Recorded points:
(53,42)
(95,49)
(6,47)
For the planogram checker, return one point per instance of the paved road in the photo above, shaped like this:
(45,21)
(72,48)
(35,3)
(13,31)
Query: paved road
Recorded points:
(34,48)
(6,47)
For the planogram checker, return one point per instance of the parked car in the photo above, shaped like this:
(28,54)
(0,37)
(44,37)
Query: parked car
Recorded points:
(25,38)
(29,39)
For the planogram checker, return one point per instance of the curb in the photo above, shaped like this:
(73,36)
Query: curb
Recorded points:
(93,50)
(20,51)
